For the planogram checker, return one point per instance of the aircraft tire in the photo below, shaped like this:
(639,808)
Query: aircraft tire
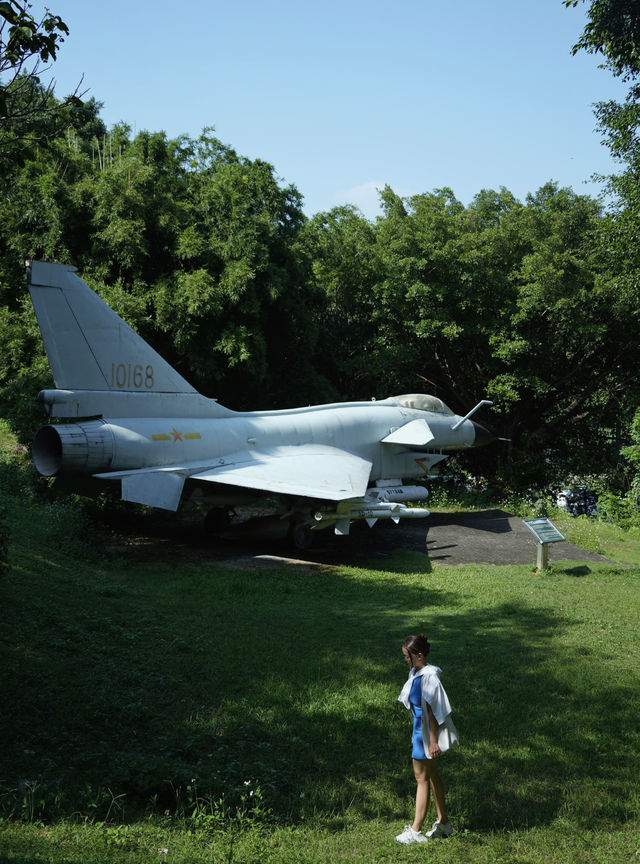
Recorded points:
(300,536)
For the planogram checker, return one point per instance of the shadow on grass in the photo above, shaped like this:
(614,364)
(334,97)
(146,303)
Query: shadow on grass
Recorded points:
(167,687)
(581,570)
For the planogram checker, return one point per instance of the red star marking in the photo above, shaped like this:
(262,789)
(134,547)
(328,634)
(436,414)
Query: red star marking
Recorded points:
(177,436)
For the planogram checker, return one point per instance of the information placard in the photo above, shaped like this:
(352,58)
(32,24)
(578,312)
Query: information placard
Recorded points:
(544,530)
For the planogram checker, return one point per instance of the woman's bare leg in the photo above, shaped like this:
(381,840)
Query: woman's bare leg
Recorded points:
(428,779)
(437,787)
(421,772)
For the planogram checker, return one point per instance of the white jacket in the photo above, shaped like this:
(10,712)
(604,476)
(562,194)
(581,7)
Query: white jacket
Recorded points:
(433,694)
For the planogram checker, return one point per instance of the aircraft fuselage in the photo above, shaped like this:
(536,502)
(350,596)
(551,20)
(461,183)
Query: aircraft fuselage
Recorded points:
(122,444)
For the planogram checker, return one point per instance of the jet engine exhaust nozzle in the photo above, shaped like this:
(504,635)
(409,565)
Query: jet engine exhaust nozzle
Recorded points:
(77,447)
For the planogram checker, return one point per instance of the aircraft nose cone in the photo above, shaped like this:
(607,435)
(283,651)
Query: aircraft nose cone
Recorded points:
(483,436)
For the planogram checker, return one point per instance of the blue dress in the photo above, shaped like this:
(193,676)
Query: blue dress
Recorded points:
(415,699)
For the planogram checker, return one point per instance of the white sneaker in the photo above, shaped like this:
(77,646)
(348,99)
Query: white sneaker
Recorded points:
(411,836)
(440,830)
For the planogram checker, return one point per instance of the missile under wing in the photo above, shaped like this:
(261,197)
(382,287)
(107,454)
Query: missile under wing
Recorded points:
(137,422)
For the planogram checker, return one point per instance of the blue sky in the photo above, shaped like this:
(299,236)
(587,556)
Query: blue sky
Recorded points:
(343,97)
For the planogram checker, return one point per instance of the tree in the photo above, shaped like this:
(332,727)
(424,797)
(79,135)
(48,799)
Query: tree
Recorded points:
(237,304)
(508,301)
(28,111)
(632,454)
(195,247)
(613,31)
(342,248)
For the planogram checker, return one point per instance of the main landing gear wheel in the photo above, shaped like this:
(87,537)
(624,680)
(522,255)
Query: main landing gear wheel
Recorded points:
(300,536)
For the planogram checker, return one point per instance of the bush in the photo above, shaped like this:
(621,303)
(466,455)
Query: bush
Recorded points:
(621,510)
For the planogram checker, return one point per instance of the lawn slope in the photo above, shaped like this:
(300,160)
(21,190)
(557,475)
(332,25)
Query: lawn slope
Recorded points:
(172,709)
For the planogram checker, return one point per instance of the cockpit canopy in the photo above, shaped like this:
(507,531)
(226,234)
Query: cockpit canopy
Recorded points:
(420,402)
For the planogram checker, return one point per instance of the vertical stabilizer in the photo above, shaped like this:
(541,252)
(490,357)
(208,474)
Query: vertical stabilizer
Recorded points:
(88,345)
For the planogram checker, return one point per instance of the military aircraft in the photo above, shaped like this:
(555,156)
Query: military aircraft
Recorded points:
(138,422)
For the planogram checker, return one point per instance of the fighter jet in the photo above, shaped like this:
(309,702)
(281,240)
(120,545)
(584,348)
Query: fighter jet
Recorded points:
(141,424)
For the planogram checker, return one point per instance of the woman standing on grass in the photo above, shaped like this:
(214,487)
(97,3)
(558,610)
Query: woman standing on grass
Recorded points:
(433,733)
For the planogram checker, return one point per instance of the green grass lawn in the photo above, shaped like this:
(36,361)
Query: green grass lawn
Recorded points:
(602,537)
(173,710)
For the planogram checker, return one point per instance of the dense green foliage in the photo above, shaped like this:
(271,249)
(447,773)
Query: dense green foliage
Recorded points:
(500,298)
(612,32)
(196,247)
(624,509)
(212,260)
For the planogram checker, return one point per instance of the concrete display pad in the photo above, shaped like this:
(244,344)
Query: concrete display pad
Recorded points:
(491,537)
(472,537)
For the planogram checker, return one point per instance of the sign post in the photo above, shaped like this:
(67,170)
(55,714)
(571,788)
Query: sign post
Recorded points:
(545,532)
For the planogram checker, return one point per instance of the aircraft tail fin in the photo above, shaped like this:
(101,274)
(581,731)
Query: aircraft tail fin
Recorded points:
(90,348)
